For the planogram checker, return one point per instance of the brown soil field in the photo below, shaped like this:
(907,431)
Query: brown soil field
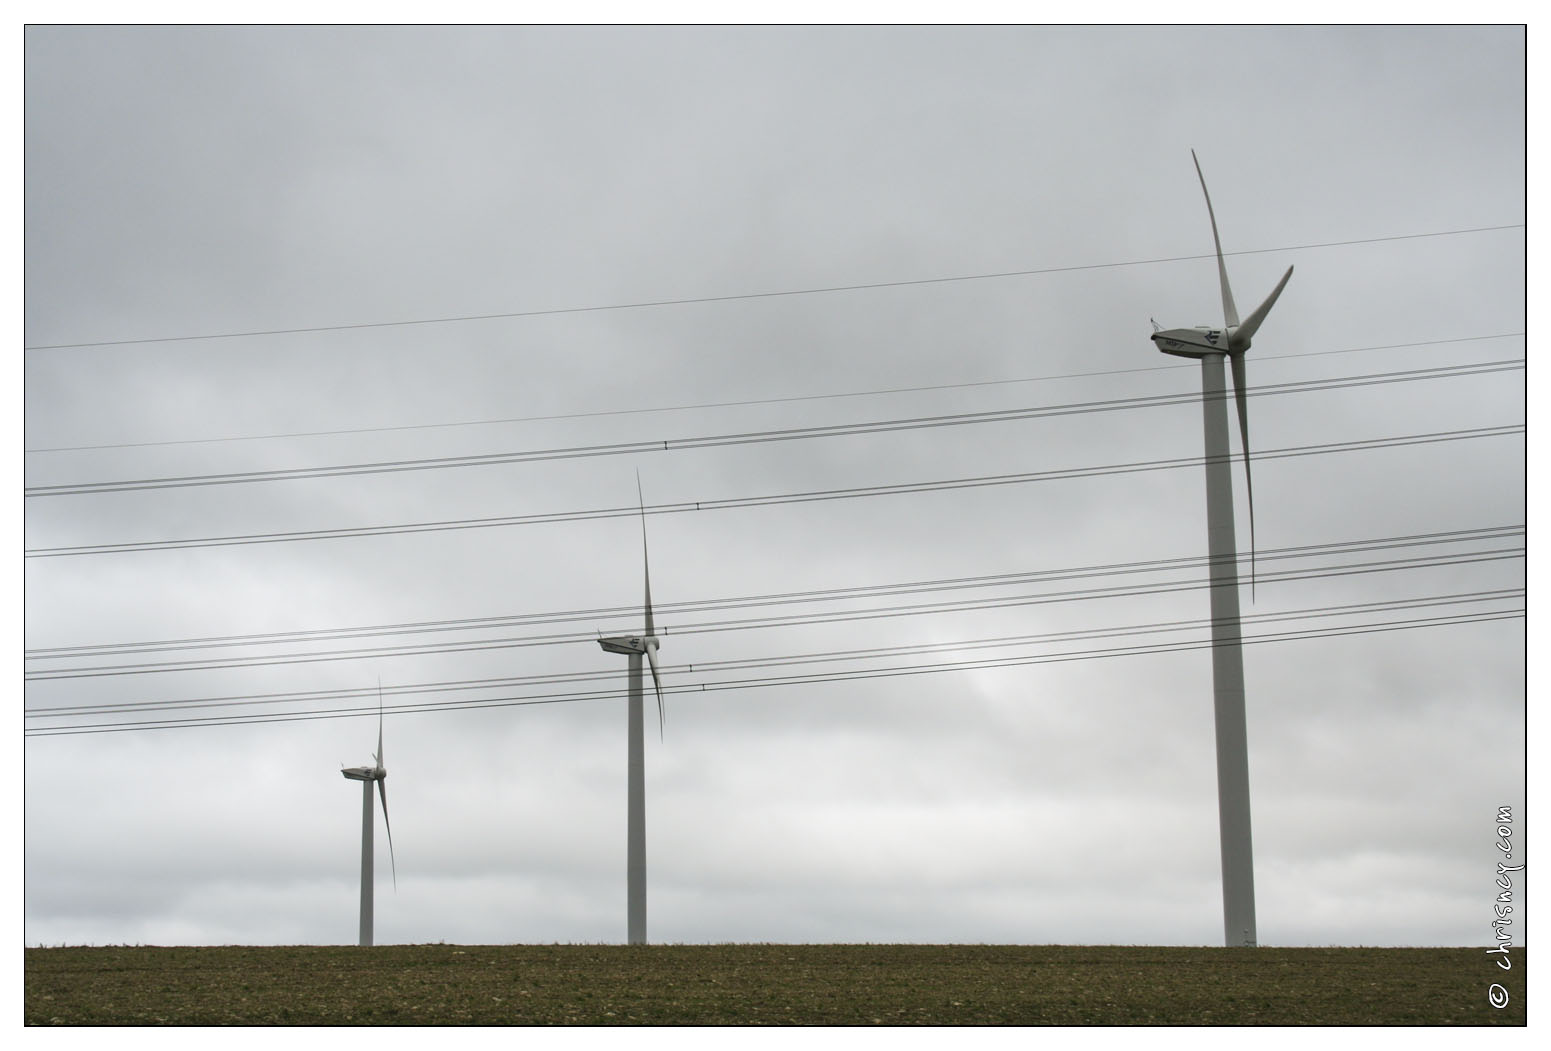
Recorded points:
(768,985)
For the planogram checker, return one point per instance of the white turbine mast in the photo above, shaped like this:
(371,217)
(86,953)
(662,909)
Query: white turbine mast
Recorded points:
(633,647)
(1211,345)
(378,773)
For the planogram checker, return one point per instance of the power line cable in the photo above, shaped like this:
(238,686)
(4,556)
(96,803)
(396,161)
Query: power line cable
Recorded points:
(754,437)
(747,401)
(746,664)
(787,661)
(912,587)
(804,679)
(851,493)
(785,293)
(789,620)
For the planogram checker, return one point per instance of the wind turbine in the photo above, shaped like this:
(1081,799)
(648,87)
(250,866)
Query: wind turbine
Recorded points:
(366,775)
(634,646)
(1211,345)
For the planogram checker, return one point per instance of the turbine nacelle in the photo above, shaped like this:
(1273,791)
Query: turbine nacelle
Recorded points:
(365,773)
(629,644)
(1195,342)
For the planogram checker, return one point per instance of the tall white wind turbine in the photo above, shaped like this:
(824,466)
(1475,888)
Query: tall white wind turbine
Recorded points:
(634,646)
(367,775)
(1211,345)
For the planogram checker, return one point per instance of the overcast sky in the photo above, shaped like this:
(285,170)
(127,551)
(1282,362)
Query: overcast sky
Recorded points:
(295,249)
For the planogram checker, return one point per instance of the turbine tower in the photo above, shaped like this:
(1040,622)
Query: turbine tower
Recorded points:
(633,647)
(1211,345)
(366,775)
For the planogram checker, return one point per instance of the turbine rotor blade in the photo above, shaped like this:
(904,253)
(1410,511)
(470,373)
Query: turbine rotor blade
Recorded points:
(382,789)
(378,756)
(1230,312)
(645,560)
(1240,394)
(1252,323)
(651,657)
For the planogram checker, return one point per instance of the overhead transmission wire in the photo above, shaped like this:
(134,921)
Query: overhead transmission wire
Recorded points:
(770,500)
(746,402)
(783,293)
(810,678)
(754,437)
(516,642)
(829,617)
(595,614)
(700,667)
(753,664)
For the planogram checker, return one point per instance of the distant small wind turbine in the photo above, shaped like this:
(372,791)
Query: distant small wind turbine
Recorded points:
(1211,345)
(633,646)
(366,775)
